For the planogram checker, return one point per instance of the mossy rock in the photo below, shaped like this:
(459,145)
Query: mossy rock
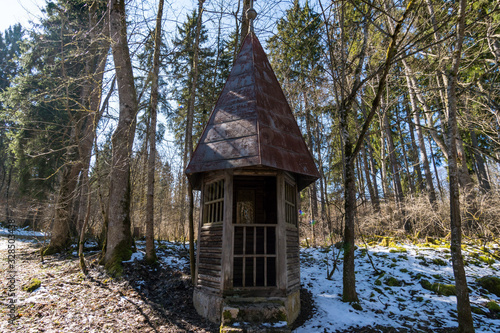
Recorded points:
(393,282)
(387,242)
(493,307)
(487,260)
(33,285)
(431,240)
(439,288)
(398,249)
(490,283)
(477,310)
(439,262)
(378,282)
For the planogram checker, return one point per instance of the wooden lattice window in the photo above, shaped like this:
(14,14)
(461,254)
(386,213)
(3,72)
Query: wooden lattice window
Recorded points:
(213,211)
(254,256)
(290,204)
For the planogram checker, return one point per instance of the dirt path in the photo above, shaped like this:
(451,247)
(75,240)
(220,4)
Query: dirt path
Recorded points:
(145,300)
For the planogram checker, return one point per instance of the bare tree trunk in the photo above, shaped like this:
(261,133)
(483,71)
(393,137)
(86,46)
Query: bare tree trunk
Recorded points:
(393,161)
(438,181)
(373,198)
(421,144)
(373,173)
(313,196)
(150,210)
(189,138)
(119,238)
(405,158)
(383,167)
(482,177)
(465,322)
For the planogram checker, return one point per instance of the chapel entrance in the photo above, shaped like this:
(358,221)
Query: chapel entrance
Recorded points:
(255,221)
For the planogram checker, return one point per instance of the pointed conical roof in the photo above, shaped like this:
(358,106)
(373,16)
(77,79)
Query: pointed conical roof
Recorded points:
(252,124)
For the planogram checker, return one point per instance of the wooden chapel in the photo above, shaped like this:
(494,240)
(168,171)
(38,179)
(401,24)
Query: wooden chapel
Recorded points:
(250,164)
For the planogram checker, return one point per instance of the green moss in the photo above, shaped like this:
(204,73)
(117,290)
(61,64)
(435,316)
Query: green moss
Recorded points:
(439,262)
(487,260)
(51,249)
(393,282)
(387,242)
(493,307)
(227,316)
(398,249)
(431,240)
(490,283)
(281,316)
(122,252)
(403,270)
(419,299)
(378,282)
(357,306)
(477,310)
(439,288)
(33,285)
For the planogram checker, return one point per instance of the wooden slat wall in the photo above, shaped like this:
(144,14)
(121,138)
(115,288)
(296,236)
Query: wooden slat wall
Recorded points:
(293,260)
(210,258)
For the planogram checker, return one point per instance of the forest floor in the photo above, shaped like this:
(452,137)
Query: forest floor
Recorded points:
(160,299)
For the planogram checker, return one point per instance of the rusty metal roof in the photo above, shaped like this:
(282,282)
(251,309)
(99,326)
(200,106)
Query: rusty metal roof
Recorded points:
(252,124)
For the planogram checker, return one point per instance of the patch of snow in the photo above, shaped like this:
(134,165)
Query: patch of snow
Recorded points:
(39,295)
(21,232)
(139,255)
(390,305)
(175,262)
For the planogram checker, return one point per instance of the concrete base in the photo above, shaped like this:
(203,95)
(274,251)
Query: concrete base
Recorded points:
(292,304)
(208,305)
(274,314)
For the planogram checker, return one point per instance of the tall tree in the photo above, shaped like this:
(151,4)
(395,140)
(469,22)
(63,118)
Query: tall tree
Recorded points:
(9,50)
(465,322)
(84,122)
(150,250)
(119,239)
(351,143)
(296,56)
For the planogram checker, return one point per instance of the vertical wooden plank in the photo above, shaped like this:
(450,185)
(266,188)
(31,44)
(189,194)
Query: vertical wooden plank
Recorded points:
(265,256)
(244,256)
(227,233)
(281,269)
(200,224)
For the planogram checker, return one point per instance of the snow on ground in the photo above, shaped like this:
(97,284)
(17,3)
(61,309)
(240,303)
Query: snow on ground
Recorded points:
(392,298)
(168,254)
(383,303)
(408,305)
(23,232)
(22,236)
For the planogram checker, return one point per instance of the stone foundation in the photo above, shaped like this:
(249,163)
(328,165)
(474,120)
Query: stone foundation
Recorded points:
(208,305)
(233,311)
